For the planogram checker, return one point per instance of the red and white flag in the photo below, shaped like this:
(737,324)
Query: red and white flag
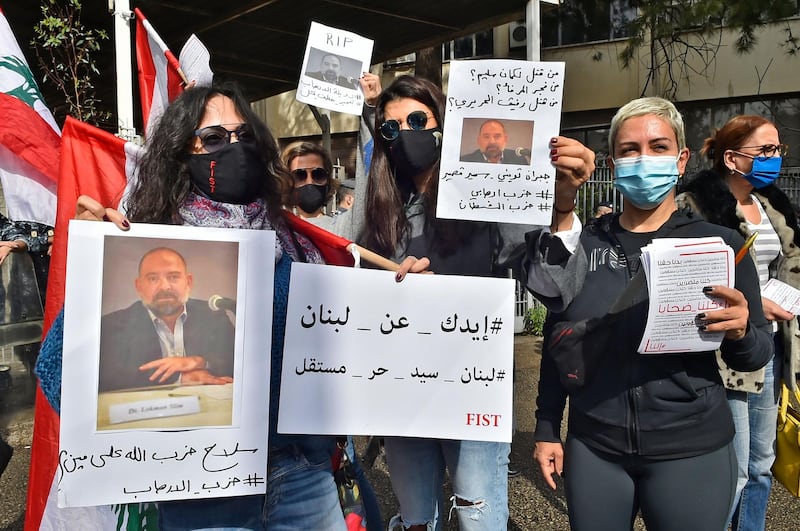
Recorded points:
(160,79)
(98,164)
(29,138)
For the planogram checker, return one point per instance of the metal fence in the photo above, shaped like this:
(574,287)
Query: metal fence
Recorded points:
(600,188)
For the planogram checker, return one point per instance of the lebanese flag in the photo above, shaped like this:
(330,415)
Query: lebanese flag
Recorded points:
(160,79)
(95,163)
(29,138)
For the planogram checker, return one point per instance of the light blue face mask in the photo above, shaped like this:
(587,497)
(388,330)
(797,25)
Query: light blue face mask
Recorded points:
(765,171)
(645,180)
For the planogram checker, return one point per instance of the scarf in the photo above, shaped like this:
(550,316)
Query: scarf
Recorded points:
(199,211)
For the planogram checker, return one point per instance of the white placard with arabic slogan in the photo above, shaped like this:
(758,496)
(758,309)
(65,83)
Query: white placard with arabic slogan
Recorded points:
(333,63)
(98,467)
(431,356)
(525,97)
(677,269)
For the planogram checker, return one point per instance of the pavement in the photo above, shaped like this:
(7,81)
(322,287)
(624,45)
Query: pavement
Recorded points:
(532,505)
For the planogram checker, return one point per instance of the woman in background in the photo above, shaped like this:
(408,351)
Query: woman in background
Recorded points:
(739,192)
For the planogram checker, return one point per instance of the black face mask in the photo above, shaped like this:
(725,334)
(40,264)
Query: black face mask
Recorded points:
(311,197)
(234,174)
(413,152)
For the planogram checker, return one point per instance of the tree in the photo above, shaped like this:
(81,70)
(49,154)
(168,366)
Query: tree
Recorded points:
(683,36)
(65,51)
(429,64)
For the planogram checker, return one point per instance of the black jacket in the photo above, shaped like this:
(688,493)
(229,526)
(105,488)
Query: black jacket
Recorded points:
(659,406)
(128,339)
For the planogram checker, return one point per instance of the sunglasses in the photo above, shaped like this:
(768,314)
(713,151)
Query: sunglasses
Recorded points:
(318,175)
(215,137)
(768,150)
(417,120)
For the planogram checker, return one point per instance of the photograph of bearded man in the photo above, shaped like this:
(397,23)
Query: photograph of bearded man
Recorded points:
(165,337)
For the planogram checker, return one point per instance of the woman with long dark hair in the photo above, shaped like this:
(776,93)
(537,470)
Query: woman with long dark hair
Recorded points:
(212,162)
(401,221)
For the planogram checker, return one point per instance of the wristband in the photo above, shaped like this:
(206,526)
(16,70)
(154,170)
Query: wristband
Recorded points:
(564,211)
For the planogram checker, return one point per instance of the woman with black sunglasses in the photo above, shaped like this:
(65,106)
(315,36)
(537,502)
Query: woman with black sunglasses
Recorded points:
(401,221)
(311,167)
(739,192)
(212,162)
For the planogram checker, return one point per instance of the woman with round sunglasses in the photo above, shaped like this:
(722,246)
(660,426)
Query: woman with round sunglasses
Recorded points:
(212,162)
(311,168)
(647,433)
(400,221)
(739,192)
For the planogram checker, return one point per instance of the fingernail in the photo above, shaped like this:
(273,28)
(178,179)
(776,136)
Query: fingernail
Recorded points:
(126,224)
(106,218)
(701,316)
(703,328)
(398,277)
(707,289)
(554,158)
(553,151)
(553,140)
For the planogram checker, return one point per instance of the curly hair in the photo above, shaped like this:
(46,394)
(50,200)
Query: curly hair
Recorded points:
(163,181)
(387,228)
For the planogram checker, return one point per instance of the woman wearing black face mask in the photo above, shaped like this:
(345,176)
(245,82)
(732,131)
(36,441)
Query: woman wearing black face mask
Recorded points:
(212,162)
(401,221)
(311,168)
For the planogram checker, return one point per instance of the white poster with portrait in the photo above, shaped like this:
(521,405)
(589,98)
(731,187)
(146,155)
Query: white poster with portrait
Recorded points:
(500,117)
(333,63)
(164,380)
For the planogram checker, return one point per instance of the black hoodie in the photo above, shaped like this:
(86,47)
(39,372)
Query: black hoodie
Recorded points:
(658,406)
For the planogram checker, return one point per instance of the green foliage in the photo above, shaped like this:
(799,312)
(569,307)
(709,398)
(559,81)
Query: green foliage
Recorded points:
(534,320)
(65,51)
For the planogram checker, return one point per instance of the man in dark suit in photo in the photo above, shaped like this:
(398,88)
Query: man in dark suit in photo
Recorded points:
(492,140)
(165,337)
(330,70)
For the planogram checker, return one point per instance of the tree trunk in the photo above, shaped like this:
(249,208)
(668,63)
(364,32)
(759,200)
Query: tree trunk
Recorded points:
(429,64)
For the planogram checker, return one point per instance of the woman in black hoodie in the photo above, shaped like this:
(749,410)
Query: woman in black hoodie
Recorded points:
(650,433)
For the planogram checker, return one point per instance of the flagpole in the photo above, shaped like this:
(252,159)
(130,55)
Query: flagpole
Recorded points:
(122,13)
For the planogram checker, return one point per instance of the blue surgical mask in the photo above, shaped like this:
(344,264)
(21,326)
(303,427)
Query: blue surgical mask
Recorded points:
(645,180)
(764,172)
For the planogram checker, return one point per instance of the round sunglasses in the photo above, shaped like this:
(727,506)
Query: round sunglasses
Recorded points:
(417,120)
(215,137)
(318,175)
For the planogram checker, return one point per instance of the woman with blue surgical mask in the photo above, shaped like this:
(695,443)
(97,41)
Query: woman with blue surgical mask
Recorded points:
(739,192)
(647,434)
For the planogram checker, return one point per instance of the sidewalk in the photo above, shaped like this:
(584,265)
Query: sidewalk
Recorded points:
(532,505)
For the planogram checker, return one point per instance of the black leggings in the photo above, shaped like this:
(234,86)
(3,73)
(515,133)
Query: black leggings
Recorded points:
(604,492)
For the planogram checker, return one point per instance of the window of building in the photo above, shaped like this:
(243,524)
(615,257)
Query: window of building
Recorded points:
(479,44)
(589,22)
